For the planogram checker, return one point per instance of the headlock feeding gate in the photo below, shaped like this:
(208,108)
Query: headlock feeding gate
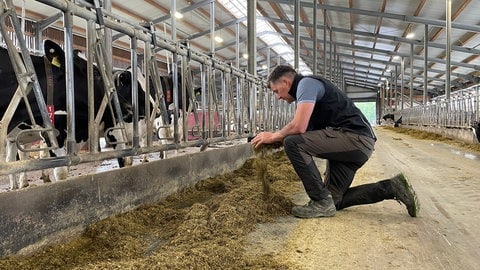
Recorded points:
(231,104)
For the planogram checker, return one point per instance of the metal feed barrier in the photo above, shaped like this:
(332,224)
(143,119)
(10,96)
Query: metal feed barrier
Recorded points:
(460,111)
(233,105)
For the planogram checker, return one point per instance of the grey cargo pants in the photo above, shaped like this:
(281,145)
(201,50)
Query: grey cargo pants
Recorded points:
(345,153)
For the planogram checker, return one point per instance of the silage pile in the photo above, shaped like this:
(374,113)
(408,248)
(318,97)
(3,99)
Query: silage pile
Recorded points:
(424,135)
(203,227)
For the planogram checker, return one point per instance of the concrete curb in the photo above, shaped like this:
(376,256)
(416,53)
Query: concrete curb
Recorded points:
(38,216)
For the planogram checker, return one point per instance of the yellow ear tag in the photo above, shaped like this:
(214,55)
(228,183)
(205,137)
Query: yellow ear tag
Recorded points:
(55,62)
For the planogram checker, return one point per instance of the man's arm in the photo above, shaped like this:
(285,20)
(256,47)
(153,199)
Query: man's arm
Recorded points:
(298,125)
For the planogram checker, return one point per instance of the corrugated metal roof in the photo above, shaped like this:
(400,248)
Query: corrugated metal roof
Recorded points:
(363,35)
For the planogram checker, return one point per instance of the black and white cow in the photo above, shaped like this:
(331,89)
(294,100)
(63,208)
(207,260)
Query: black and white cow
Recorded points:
(163,130)
(476,130)
(51,67)
(389,119)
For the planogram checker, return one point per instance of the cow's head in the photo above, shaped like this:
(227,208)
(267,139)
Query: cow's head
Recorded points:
(123,85)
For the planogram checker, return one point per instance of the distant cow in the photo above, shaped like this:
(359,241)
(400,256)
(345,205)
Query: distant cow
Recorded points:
(51,67)
(476,130)
(390,119)
(123,80)
(389,116)
(163,130)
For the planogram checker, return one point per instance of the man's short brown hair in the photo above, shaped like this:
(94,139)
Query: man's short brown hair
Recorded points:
(280,71)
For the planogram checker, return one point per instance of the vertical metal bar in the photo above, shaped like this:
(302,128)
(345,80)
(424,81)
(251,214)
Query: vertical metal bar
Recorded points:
(203,79)
(425,65)
(92,127)
(211,92)
(477,103)
(187,87)
(68,36)
(411,75)
(38,37)
(174,69)
(173,11)
(240,102)
(237,46)
(387,96)
(268,105)
(186,82)
(334,66)
(269,52)
(395,89)
(297,35)
(382,99)
(252,55)
(212,28)
(107,33)
(252,36)
(134,77)
(324,43)
(392,90)
(237,80)
(330,58)
(402,67)
(147,55)
(448,68)
(315,39)
(224,104)
(227,104)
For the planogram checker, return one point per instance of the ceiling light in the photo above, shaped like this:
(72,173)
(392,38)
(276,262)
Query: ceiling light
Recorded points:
(245,55)
(410,35)
(178,15)
(218,39)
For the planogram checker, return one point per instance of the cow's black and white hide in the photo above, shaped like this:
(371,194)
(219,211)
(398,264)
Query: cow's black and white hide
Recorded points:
(56,62)
(389,119)
(398,122)
(123,83)
(163,131)
(476,130)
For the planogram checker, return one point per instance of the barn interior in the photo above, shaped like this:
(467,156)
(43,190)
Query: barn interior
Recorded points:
(417,61)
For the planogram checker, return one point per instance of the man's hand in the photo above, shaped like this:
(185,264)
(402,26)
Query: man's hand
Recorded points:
(264,138)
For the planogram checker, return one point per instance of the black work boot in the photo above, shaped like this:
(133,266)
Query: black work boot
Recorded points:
(314,209)
(403,192)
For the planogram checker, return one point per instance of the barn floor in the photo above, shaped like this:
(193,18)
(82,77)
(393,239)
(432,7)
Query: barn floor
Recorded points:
(445,235)
(228,222)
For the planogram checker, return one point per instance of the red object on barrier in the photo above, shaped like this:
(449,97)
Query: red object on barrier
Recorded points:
(51,113)
(195,131)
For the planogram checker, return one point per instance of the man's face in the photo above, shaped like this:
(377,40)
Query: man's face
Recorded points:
(281,87)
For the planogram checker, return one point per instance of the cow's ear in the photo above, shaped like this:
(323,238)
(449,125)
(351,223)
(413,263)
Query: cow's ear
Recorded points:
(54,53)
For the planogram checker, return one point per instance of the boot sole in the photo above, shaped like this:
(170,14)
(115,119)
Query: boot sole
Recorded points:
(411,194)
(328,213)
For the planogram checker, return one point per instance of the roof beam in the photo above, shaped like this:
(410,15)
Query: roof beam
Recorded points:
(388,37)
(413,19)
(386,52)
